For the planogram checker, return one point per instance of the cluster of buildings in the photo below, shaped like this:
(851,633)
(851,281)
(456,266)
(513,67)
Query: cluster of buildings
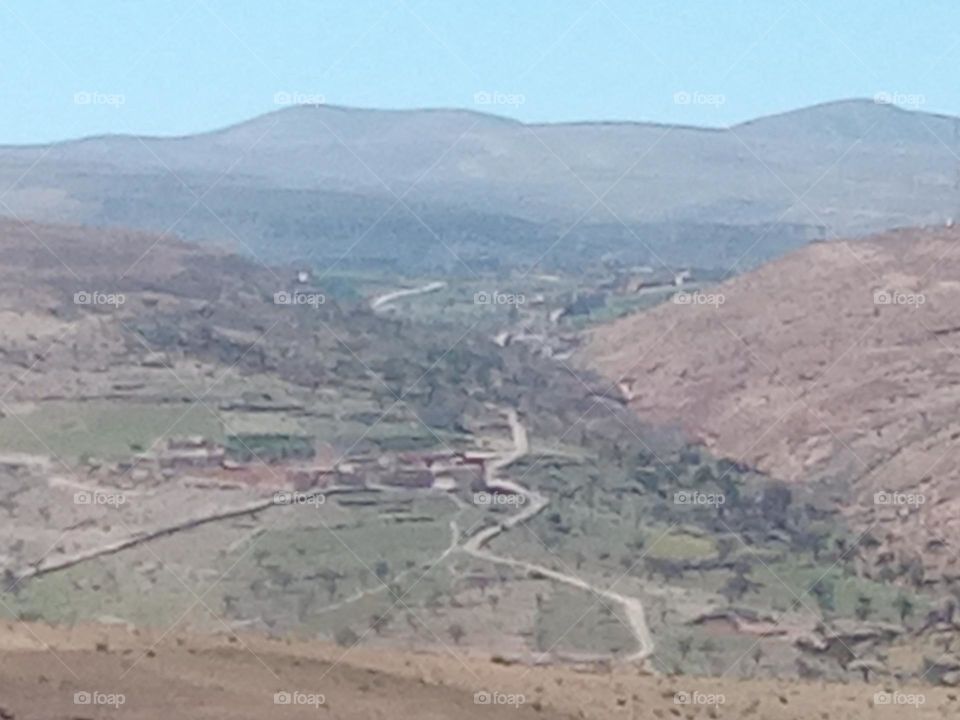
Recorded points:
(204,458)
(422,469)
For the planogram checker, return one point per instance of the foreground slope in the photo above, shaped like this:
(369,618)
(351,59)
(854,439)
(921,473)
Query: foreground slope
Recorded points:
(838,362)
(236,678)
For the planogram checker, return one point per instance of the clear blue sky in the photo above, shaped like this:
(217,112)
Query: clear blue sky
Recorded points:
(78,67)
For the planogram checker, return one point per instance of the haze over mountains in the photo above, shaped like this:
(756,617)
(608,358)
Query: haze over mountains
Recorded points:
(465,192)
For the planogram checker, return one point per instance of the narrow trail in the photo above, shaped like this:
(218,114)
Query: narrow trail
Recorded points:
(45,565)
(382,301)
(535,503)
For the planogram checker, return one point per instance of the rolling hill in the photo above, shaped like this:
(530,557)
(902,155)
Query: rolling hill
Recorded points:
(848,376)
(465,191)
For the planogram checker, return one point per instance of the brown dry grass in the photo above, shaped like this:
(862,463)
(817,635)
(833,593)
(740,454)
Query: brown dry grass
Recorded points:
(801,374)
(204,677)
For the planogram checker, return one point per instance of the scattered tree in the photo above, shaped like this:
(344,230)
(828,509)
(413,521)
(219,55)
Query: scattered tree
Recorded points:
(904,607)
(456,633)
(703,476)
(735,587)
(346,637)
(708,646)
(378,623)
(774,504)
(823,590)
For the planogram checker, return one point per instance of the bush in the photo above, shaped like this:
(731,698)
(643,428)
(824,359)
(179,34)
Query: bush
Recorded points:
(345,637)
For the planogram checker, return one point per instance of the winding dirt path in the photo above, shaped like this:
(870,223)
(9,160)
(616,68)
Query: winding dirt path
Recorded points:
(535,503)
(382,301)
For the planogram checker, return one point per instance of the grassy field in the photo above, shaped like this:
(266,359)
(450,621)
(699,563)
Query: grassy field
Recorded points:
(104,429)
(306,559)
(849,596)
(575,622)
(318,558)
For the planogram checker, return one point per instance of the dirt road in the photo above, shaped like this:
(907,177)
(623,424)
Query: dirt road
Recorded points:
(382,301)
(535,503)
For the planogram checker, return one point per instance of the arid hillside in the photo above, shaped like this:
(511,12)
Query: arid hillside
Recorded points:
(41,670)
(838,362)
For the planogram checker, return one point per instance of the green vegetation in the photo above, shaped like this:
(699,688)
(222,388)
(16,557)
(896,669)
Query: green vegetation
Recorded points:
(832,591)
(576,622)
(680,546)
(101,428)
(269,448)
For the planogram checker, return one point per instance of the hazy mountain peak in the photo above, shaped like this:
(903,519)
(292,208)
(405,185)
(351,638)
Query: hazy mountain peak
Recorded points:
(307,121)
(854,119)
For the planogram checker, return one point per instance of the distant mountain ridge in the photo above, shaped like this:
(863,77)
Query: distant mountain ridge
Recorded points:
(287,184)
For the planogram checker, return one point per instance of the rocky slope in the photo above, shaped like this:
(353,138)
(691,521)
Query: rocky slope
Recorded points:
(838,362)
